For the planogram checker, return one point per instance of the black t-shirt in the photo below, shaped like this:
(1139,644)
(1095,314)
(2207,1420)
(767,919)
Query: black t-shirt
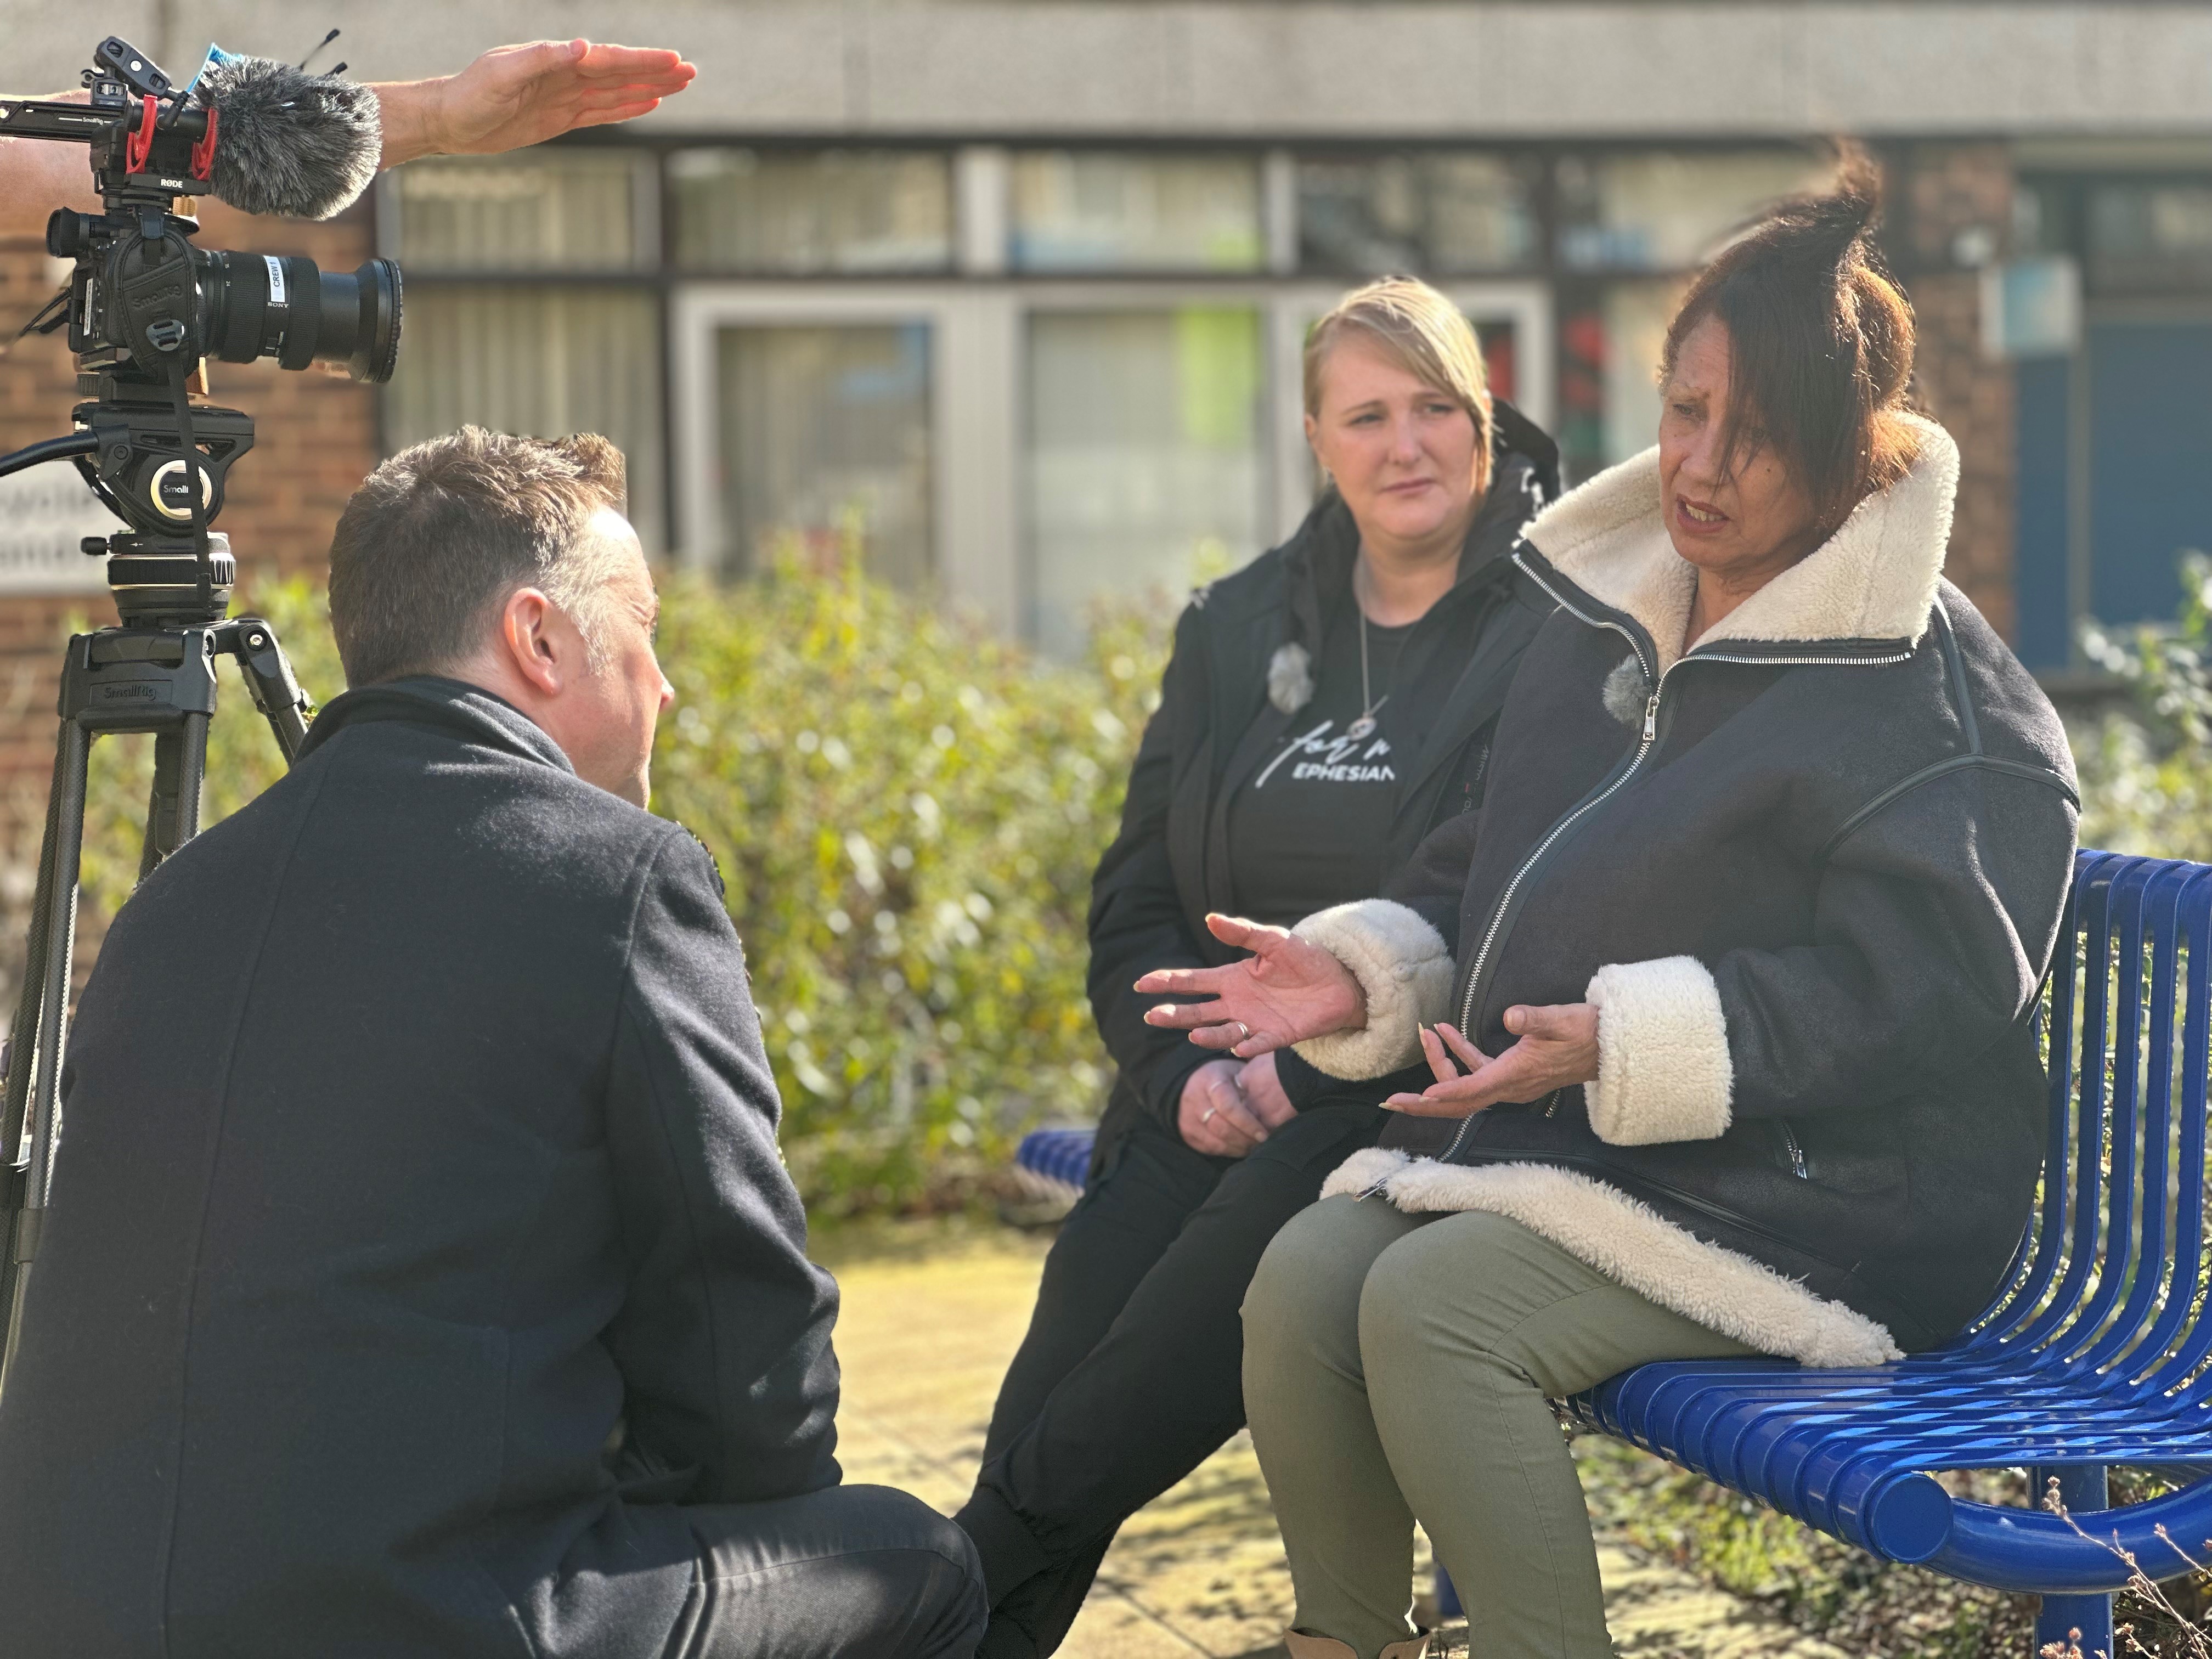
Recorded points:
(1309,830)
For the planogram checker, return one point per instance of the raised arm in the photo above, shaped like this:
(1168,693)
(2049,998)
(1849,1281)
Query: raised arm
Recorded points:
(509,97)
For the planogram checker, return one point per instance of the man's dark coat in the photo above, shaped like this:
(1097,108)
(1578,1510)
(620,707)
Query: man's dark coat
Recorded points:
(418,1233)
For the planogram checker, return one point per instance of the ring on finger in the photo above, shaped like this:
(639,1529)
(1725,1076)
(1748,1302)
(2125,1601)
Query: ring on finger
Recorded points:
(1207,1116)
(1247,1029)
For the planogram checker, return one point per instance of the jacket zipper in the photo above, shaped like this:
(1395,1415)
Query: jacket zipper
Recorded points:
(1797,1152)
(1647,739)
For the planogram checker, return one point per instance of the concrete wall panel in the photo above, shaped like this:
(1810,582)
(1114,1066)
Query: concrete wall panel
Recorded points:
(1496,68)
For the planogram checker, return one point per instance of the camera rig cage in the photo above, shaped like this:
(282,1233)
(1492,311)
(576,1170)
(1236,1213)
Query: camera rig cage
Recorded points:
(144,308)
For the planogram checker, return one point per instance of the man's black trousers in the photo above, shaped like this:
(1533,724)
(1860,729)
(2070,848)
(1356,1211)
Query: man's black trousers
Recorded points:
(848,1572)
(1131,1374)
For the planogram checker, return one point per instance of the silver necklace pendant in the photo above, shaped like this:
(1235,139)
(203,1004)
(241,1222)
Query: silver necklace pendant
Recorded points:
(1361,729)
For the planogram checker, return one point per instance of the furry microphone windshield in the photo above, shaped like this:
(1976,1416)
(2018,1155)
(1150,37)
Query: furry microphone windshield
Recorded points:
(287,141)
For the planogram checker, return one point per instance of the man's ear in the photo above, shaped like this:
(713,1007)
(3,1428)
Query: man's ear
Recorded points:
(528,639)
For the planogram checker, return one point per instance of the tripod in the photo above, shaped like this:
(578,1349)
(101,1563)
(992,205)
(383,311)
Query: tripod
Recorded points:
(155,673)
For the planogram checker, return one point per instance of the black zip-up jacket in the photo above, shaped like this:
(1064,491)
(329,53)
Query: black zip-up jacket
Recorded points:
(1216,725)
(1811,874)
(420,1152)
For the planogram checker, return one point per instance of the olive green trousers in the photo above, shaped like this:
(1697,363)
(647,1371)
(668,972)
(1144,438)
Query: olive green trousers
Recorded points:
(1401,1366)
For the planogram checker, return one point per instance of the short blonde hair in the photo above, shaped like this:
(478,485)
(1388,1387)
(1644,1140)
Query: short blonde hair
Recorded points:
(1418,329)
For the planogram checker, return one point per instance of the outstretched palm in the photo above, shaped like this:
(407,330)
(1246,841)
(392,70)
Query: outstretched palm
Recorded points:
(1287,990)
(516,96)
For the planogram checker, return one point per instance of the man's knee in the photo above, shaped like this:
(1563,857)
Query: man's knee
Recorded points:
(849,1570)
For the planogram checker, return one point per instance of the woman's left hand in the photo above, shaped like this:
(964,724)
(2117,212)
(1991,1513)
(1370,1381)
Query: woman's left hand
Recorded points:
(1558,1047)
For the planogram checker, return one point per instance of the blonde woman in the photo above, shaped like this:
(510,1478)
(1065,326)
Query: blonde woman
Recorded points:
(1326,706)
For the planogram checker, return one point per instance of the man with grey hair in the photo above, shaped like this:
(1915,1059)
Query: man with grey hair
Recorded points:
(421,1277)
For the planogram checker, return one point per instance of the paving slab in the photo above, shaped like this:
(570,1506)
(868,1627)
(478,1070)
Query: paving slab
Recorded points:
(933,1312)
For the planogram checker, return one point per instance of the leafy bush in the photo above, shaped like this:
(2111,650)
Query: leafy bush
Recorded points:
(906,813)
(2147,773)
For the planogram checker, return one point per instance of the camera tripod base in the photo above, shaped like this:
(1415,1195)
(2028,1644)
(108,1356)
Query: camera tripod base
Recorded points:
(143,679)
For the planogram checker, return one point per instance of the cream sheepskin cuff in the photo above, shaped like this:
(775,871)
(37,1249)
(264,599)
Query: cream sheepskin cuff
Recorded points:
(1663,1072)
(1406,969)
(1633,1245)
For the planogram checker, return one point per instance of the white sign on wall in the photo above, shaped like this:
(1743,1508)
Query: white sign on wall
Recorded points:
(45,511)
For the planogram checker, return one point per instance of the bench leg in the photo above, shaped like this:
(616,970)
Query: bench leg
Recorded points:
(2081,1489)
(1448,1605)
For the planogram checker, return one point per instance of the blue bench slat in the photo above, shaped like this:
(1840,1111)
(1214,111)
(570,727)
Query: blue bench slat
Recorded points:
(2090,1358)
(1060,1156)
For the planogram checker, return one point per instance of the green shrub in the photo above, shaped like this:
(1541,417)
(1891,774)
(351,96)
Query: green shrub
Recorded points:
(2147,772)
(906,813)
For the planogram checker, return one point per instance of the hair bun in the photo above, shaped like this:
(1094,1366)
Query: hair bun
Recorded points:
(1822,339)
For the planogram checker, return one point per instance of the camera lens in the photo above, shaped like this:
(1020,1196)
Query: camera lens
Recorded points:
(268,305)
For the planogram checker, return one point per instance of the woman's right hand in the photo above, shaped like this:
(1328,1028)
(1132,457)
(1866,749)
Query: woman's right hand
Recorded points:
(1286,991)
(1214,1117)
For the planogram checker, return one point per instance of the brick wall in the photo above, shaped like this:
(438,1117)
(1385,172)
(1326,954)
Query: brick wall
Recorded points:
(1950,210)
(315,436)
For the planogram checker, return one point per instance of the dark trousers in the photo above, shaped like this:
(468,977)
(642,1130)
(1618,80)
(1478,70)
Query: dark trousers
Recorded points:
(1131,1375)
(848,1572)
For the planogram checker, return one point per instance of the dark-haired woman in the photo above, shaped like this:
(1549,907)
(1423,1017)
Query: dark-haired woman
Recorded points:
(1737,1057)
(1326,706)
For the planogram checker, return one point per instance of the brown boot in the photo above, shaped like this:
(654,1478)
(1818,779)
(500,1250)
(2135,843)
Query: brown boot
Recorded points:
(1304,1646)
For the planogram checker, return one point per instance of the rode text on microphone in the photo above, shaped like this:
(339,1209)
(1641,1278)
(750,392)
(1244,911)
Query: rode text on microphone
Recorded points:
(145,308)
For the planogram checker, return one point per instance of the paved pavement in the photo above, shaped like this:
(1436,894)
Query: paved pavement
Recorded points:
(932,1313)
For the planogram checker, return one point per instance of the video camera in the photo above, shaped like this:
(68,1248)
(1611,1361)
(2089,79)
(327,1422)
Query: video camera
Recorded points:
(144,307)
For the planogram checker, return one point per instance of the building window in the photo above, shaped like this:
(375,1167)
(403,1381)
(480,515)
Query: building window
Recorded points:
(811,212)
(545,360)
(506,348)
(2149,237)
(1095,210)
(1662,210)
(1443,215)
(1145,465)
(825,436)
(546,210)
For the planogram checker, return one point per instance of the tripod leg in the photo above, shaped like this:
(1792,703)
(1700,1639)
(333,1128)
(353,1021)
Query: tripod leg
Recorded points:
(269,675)
(173,812)
(66,816)
(191,776)
(162,804)
(23,1035)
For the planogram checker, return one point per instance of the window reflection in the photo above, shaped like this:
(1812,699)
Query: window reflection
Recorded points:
(825,436)
(1383,215)
(1657,211)
(801,212)
(1091,210)
(2144,237)
(1145,457)
(545,360)
(552,210)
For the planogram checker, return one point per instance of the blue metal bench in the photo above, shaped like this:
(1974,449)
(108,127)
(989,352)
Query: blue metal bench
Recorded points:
(1050,1165)
(2094,1355)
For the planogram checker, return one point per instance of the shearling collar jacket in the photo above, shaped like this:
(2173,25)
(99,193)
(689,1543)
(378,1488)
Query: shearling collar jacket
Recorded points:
(1227,699)
(1810,874)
